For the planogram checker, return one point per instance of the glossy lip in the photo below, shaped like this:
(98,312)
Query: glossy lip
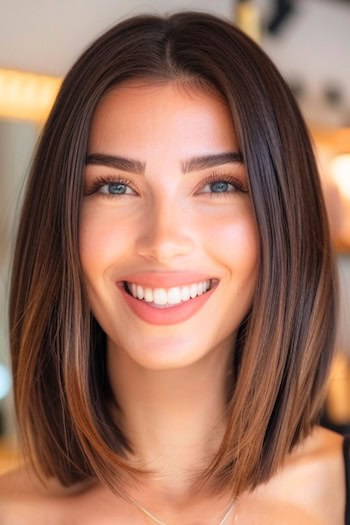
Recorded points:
(165,316)
(166,279)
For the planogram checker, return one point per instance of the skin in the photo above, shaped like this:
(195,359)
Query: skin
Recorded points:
(170,381)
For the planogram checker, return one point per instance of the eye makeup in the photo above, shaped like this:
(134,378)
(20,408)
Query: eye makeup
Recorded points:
(116,181)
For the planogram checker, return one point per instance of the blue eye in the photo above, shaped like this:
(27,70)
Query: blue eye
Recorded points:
(219,187)
(109,187)
(220,183)
(113,187)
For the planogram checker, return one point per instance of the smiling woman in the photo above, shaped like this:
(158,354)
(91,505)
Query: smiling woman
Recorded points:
(174,294)
(179,215)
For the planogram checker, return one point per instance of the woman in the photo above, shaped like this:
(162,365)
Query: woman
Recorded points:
(174,293)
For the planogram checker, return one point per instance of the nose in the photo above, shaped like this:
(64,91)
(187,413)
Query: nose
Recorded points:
(166,232)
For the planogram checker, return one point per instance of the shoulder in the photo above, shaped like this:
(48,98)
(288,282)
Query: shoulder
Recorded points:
(25,500)
(312,478)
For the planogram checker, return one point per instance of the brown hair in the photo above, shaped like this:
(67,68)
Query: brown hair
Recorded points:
(285,343)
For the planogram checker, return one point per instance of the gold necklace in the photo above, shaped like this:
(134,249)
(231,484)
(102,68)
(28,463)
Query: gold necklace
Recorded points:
(156,520)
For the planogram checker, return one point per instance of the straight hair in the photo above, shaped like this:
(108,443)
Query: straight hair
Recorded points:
(285,343)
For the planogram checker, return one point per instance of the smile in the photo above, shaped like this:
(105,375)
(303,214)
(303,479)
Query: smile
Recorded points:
(171,296)
(164,314)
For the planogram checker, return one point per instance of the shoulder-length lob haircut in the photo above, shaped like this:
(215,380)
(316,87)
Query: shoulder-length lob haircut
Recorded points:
(284,345)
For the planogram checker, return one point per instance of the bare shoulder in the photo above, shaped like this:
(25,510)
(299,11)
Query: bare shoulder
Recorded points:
(322,453)
(22,483)
(313,478)
(25,500)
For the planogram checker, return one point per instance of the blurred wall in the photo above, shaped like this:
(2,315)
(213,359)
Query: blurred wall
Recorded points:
(46,37)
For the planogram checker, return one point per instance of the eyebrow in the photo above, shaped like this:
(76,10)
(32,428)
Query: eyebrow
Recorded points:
(209,161)
(121,163)
(188,165)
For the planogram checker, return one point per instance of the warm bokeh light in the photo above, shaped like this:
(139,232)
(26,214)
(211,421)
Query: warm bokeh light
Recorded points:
(248,19)
(340,169)
(27,96)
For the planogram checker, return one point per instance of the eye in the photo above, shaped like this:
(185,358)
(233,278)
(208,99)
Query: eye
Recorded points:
(220,185)
(114,188)
(110,187)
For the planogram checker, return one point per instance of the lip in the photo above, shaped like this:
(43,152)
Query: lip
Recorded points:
(165,316)
(166,279)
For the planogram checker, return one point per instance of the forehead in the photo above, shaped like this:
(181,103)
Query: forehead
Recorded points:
(143,113)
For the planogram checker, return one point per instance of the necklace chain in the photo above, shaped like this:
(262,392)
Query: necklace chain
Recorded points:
(156,520)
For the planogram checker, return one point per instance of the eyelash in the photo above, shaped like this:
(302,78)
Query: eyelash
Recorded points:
(215,177)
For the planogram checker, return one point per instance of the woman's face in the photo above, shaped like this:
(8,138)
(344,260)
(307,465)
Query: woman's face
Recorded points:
(152,216)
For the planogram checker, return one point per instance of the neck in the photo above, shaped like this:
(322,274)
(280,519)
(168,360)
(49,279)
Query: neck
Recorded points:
(174,418)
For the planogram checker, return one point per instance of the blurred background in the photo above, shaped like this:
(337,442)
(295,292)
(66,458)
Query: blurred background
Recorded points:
(309,41)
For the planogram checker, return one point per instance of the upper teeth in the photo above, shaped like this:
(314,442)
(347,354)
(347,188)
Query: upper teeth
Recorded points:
(173,295)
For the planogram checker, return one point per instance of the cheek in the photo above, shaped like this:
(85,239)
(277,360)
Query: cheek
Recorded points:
(235,241)
(101,241)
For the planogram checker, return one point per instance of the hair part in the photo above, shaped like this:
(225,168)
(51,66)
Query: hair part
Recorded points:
(284,345)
